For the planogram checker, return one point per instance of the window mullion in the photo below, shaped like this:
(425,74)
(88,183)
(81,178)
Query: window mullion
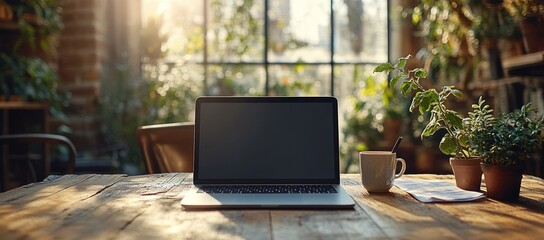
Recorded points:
(265,54)
(205,52)
(332,47)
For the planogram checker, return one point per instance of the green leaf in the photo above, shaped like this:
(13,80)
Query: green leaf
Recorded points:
(457,93)
(425,104)
(387,67)
(454,119)
(463,140)
(405,88)
(447,145)
(401,63)
(395,79)
(427,99)
(432,95)
(416,101)
(419,72)
(431,127)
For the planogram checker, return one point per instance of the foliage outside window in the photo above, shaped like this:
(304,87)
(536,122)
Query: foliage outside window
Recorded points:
(253,47)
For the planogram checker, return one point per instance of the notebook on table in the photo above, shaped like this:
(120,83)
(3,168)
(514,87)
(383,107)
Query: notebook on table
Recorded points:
(266,152)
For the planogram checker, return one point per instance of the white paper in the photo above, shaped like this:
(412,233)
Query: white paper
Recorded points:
(436,191)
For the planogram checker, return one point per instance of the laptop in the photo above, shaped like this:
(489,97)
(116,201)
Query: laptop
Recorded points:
(266,152)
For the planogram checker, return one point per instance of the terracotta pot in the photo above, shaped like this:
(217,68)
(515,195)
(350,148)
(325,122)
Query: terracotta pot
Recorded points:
(502,182)
(468,173)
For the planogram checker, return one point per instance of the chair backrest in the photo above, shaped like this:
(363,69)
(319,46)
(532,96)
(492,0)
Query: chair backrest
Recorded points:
(167,147)
(33,171)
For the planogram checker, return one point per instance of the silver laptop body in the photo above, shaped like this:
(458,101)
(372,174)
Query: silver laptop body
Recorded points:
(266,152)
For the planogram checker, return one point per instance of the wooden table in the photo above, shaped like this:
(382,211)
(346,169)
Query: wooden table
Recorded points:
(147,207)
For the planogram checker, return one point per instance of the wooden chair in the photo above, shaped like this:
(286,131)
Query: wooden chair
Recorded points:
(30,173)
(167,147)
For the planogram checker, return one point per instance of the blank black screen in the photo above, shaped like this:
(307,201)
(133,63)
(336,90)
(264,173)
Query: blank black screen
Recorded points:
(268,141)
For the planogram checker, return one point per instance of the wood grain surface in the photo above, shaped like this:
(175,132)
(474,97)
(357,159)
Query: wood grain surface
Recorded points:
(147,207)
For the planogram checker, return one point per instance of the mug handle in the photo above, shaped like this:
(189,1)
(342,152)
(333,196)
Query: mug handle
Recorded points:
(403,167)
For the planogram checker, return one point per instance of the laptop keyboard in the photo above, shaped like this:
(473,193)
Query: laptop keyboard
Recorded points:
(290,189)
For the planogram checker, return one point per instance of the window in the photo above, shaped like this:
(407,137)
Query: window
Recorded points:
(263,48)
(267,47)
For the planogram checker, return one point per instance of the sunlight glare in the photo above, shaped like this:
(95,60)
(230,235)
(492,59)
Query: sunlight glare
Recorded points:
(309,19)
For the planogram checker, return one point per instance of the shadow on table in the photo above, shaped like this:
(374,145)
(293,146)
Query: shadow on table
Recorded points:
(82,206)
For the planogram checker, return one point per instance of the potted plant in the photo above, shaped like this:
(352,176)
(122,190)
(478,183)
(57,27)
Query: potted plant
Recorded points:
(466,166)
(504,144)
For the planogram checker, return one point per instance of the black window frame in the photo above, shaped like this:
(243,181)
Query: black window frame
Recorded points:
(267,63)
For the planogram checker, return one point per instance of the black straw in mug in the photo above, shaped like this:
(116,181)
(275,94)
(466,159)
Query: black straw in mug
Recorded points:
(397,143)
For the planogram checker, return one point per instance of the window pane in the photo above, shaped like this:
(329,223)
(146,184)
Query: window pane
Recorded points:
(299,31)
(348,78)
(172,29)
(235,31)
(360,31)
(172,90)
(299,80)
(354,83)
(348,81)
(360,98)
(228,80)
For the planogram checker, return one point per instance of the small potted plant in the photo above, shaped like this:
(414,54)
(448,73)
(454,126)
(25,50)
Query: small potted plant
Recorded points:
(466,166)
(504,144)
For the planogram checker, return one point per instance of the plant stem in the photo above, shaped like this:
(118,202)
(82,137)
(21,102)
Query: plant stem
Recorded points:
(442,115)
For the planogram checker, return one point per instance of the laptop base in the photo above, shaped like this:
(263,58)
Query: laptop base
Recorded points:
(201,200)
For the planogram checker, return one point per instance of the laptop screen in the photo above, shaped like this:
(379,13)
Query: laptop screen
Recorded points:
(266,140)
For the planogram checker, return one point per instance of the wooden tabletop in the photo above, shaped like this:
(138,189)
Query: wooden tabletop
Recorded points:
(148,207)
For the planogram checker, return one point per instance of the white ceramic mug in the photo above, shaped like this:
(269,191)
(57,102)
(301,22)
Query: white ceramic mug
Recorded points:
(378,170)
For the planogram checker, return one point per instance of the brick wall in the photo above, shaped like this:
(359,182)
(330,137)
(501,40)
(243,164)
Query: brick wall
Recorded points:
(96,35)
(82,56)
